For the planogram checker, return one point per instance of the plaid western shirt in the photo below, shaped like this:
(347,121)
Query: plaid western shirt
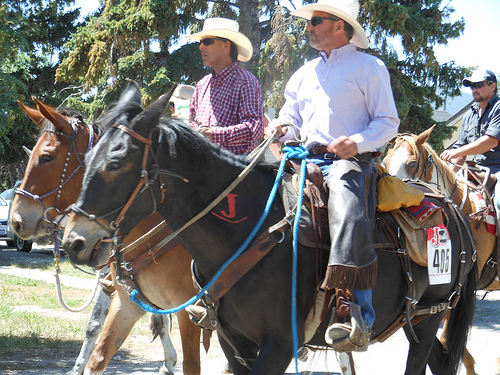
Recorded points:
(231,104)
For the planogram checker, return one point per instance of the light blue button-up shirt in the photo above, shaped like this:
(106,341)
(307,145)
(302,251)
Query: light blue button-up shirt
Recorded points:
(346,94)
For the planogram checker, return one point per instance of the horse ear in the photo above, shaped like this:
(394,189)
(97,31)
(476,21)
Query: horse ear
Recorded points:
(132,94)
(59,121)
(151,115)
(125,109)
(28,151)
(33,114)
(422,137)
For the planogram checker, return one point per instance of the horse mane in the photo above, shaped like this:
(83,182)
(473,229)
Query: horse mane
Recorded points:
(117,113)
(71,113)
(178,133)
(445,174)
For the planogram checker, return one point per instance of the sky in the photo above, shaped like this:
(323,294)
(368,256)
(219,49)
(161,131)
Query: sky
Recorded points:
(476,47)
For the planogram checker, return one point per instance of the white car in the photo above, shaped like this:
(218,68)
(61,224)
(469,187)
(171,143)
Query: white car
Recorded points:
(6,232)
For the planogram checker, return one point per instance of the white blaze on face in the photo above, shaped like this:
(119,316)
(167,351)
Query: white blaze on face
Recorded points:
(397,166)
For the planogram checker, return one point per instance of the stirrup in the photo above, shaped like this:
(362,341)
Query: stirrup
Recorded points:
(348,337)
(199,316)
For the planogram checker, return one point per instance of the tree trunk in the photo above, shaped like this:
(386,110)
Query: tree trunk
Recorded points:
(249,25)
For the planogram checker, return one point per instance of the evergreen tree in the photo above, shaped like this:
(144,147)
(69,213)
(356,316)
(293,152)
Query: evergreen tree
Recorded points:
(31,33)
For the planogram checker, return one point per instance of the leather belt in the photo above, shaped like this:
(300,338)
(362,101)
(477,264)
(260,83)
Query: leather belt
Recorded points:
(320,150)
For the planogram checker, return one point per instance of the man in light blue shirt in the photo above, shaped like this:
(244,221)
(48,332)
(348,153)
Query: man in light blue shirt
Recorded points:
(343,102)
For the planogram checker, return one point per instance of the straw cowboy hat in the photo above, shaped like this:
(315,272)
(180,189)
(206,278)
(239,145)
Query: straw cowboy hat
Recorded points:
(229,29)
(345,9)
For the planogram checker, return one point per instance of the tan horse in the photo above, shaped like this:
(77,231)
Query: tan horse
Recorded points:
(51,183)
(411,157)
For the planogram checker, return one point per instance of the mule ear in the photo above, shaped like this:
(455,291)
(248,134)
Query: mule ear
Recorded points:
(33,114)
(59,121)
(151,115)
(422,137)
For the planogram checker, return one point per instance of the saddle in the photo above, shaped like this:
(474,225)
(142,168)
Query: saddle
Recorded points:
(313,226)
(393,195)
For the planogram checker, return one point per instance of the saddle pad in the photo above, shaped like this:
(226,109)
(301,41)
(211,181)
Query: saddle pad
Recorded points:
(480,203)
(413,222)
(423,211)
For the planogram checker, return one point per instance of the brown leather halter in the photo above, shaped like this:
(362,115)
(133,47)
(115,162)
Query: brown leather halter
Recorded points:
(147,177)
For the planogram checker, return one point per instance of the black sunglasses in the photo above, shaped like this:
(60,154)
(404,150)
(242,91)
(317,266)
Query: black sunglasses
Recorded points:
(477,85)
(315,21)
(209,41)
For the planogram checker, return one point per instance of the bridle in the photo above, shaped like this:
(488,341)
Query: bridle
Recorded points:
(63,179)
(146,180)
(424,164)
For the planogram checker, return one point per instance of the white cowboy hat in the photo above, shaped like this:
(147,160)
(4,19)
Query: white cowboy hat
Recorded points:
(345,9)
(184,92)
(229,29)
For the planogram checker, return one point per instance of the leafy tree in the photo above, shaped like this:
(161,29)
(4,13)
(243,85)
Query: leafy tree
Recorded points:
(32,31)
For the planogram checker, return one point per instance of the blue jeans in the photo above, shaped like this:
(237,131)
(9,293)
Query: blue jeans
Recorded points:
(363,298)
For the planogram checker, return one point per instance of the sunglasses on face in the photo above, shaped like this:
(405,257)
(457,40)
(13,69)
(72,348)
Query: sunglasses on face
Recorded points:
(209,41)
(477,85)
(315,21)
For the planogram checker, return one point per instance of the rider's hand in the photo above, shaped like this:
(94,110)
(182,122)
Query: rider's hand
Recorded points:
(344,147)
(275,125)
(449,155)
(206,131)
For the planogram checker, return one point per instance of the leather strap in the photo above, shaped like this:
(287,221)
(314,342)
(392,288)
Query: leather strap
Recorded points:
(135,266)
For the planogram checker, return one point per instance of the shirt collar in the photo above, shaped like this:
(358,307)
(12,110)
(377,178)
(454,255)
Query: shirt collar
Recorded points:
(338,54)
(493,100)
(227,71)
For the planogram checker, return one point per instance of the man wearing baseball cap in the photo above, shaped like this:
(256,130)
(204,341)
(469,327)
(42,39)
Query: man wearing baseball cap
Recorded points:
(227,106)
(343,102)
(480,132)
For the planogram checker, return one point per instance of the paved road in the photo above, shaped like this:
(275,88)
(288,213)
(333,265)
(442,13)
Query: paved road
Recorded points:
(388,358)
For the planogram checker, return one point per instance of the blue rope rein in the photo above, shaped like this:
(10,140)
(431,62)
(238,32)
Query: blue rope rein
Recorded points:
(295,152)
(299,152)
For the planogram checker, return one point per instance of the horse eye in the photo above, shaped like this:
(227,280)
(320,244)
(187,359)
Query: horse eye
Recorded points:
(113,165)
(412,164)
(44,159)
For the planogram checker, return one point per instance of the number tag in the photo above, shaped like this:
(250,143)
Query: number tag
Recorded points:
(438,255)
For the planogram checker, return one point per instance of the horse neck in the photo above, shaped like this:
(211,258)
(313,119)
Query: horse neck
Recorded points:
(441,174)
(226,226)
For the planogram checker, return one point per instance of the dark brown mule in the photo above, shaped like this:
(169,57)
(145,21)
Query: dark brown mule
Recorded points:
(51,184)
(411,157)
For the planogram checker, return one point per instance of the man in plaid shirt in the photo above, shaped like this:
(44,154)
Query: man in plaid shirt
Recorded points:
(227,105)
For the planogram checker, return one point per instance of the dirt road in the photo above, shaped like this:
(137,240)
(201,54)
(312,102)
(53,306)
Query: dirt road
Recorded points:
(143,357)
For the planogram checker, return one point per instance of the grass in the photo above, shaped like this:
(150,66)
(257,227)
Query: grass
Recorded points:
(32,319)
(64,264)
(22,321)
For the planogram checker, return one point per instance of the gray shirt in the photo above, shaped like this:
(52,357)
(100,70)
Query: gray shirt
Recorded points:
(474,127)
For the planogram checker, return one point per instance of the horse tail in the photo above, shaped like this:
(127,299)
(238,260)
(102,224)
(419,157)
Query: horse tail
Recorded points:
(461,319)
